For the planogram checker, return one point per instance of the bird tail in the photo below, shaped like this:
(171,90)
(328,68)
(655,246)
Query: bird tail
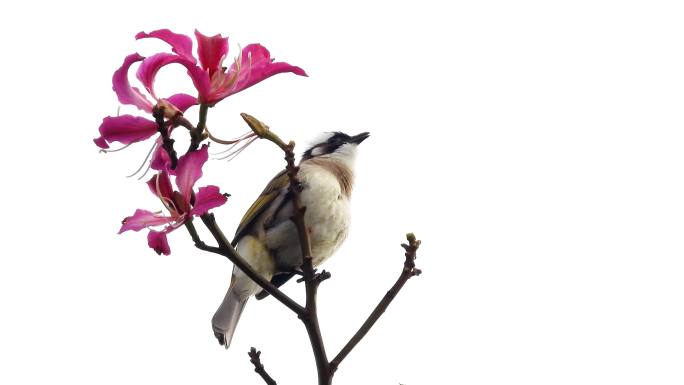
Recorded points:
(226,318)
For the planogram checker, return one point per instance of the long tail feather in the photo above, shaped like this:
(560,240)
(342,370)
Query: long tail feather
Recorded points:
(226,318)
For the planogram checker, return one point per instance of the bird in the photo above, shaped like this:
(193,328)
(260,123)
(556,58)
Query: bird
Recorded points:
(267,237)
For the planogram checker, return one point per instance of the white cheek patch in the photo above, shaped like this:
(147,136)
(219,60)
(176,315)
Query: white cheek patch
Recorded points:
(318,150)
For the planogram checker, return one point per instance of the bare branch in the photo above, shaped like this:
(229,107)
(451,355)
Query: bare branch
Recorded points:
(254,358)
(311,279)
(309,276)
(407,272)
(226,249)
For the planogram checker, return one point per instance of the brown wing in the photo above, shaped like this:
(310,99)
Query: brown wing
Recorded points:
(270,193)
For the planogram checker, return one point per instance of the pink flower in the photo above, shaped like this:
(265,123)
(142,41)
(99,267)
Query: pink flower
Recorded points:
(213,81)
(128,129)
(181,204)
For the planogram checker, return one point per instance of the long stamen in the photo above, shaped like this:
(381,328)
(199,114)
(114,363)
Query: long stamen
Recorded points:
(238,64)
(149,153)
(179,221)
(237,152)
(225,151)
(107,150)
(231,141)
(149,167)
(232,150)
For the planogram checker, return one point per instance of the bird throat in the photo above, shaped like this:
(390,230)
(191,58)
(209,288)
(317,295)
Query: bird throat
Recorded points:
(343,173)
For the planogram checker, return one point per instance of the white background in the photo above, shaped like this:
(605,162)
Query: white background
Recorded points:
(534,147)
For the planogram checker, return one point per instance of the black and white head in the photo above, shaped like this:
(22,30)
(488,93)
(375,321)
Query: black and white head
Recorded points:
(336,145)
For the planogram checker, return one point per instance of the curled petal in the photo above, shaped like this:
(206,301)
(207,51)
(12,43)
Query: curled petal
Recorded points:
(207,198)
(122,88)
(160,185)
(142,219)
(180,44)
(189,170)
(182,101)
(211,51)
(157,241)
(101,142)
(160,159)
(150,66)
(124,129)
(254,66)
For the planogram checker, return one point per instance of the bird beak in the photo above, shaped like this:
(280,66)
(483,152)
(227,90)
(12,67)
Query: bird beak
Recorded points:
(359,138)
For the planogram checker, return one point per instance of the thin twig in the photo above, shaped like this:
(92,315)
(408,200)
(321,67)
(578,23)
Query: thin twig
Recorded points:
(408,271)
(180,120)
(224,248)
(254,358)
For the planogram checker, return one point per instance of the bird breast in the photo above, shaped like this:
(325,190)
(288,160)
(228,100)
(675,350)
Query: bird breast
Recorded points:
(327,214)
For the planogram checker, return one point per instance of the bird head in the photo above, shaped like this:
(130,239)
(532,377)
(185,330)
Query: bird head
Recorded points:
(335,145)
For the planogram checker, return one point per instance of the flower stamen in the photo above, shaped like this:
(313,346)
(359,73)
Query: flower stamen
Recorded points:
(230,156)
(231,141)
(149,153)
(107,150)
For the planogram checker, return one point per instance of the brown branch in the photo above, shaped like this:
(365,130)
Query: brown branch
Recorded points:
(167,142)
(197,133)
(180,120)
(311,279)
(408,272)
(309,313)
(226,249)
(254,358)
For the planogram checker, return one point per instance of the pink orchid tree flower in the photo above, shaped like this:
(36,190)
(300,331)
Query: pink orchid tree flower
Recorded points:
(182,204)
(128,129)
(213,81)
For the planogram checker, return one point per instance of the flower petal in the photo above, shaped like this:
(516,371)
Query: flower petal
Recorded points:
(101,142)
(189,170)
(180,44)
(160,185)
(182,101)
(255,65)
(124,129)
(207,198)
(142,219)
(160,159)
(124,91)
(150,66)
(157,241)
(211,51)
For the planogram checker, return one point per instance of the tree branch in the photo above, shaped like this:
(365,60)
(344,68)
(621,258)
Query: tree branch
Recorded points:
(311,279)
(197,133)
(408,272)
(226,249)
(255,359)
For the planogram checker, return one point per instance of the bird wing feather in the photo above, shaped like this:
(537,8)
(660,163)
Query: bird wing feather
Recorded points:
(271,192)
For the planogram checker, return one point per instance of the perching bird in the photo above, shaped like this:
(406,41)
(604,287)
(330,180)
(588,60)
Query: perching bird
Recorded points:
(267,238)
